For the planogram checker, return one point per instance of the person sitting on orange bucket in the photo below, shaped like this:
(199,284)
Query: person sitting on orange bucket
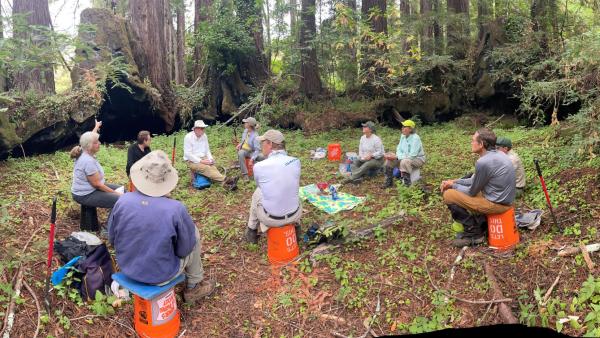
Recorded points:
(249,146)
(154,236)
(138,150)
(276,200)
(370,154)
(491,190)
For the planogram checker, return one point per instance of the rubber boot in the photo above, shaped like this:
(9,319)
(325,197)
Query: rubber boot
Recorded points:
(389,177)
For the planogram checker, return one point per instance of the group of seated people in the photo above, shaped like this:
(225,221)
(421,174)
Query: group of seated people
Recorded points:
(372,157)
(155,238)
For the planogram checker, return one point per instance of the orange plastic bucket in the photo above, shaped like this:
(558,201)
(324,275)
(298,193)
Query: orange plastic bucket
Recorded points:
(502,230)
(282,247)
(158,317)
(249,166)
(130,186)
(334,152)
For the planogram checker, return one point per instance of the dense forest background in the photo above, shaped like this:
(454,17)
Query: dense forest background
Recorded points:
(313,65)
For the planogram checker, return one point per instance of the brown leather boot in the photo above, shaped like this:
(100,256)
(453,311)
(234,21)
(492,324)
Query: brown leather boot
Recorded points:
(201,290)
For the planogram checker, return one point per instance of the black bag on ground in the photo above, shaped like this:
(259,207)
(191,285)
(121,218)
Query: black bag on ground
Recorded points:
(97,270)
(70,248)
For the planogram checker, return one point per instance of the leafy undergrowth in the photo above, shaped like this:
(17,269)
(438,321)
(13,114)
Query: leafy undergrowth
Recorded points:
(396,282)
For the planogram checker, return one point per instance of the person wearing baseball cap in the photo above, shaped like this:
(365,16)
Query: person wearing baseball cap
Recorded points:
(408,157)
(370,154)
(154,236)
(197,156)
(504,144)
(249,146)
(276,200)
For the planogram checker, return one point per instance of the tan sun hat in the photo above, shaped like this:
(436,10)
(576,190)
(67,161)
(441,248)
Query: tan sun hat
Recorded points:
(199,124)
(272,135)
(251,120)
(153,174)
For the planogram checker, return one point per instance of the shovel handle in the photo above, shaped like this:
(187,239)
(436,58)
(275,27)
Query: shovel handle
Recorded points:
(537,167)
(53,214)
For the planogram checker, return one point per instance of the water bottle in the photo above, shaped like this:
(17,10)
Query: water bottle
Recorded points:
(348,165)
(334,195)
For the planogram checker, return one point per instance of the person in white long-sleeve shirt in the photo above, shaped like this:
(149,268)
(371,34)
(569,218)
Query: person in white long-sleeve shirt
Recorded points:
(370,154)
(196,153)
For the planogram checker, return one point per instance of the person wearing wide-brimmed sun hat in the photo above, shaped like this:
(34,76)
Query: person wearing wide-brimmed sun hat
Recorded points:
(154,236)
(370,154)
(197,155)
(249,146)
(408,157)
(504,144)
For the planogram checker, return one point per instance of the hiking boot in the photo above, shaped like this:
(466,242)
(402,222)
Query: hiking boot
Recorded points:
(251,236)
(389,182)
(230,183)
(467,241)
(201,290)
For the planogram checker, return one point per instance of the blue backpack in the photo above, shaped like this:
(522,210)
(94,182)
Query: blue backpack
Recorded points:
(200,181)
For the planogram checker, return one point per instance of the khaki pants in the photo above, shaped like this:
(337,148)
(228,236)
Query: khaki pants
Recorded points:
(259,216)
(406,165)
(360,168)
(191,265)
(210,171)
(476,204)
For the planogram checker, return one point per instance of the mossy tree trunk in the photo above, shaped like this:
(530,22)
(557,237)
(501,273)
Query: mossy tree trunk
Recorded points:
(40,76)
(406,21)
(427,39)
(152,27)
(180,77)
(310,82)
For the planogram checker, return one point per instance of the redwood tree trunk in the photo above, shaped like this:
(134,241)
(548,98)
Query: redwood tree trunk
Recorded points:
(180,62)
(458,28)
(310,82)
(255,67)
(377,22)
(437,28)
(201,8)
(39,78)
(151,27)
(483,16)
(406,20)
(427,39)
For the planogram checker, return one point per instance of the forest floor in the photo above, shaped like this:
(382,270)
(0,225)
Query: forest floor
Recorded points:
(397,281)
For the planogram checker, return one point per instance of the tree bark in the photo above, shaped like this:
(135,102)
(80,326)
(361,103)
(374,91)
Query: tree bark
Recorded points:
(543,17)
(201,8)
(180,77)
(427,39)
(458,28)
(483,16)
(255,66)
(378,21)
(3,69)
(437,28)
(310,82)
(405,20)
(152,28)
(39,78)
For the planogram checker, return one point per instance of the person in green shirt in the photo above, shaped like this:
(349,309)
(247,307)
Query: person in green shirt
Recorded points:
(408,157)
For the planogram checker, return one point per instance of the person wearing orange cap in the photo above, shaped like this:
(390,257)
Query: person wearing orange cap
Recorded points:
(408,157)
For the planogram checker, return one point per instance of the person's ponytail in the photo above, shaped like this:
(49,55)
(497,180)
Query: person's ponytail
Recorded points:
(75,152)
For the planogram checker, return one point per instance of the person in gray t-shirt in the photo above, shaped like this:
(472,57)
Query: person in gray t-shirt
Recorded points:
(89,187)
(491,190)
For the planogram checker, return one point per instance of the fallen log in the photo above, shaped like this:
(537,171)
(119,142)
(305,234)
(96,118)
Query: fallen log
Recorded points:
(586,257)
(10,318)
(575,250)
(504,310)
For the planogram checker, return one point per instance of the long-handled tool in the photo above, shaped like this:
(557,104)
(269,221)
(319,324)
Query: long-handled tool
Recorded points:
(539,171)
(173,152)
(50,253)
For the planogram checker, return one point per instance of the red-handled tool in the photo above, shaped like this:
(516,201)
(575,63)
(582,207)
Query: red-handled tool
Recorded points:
(173,152)
(50,253)
(539,171)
